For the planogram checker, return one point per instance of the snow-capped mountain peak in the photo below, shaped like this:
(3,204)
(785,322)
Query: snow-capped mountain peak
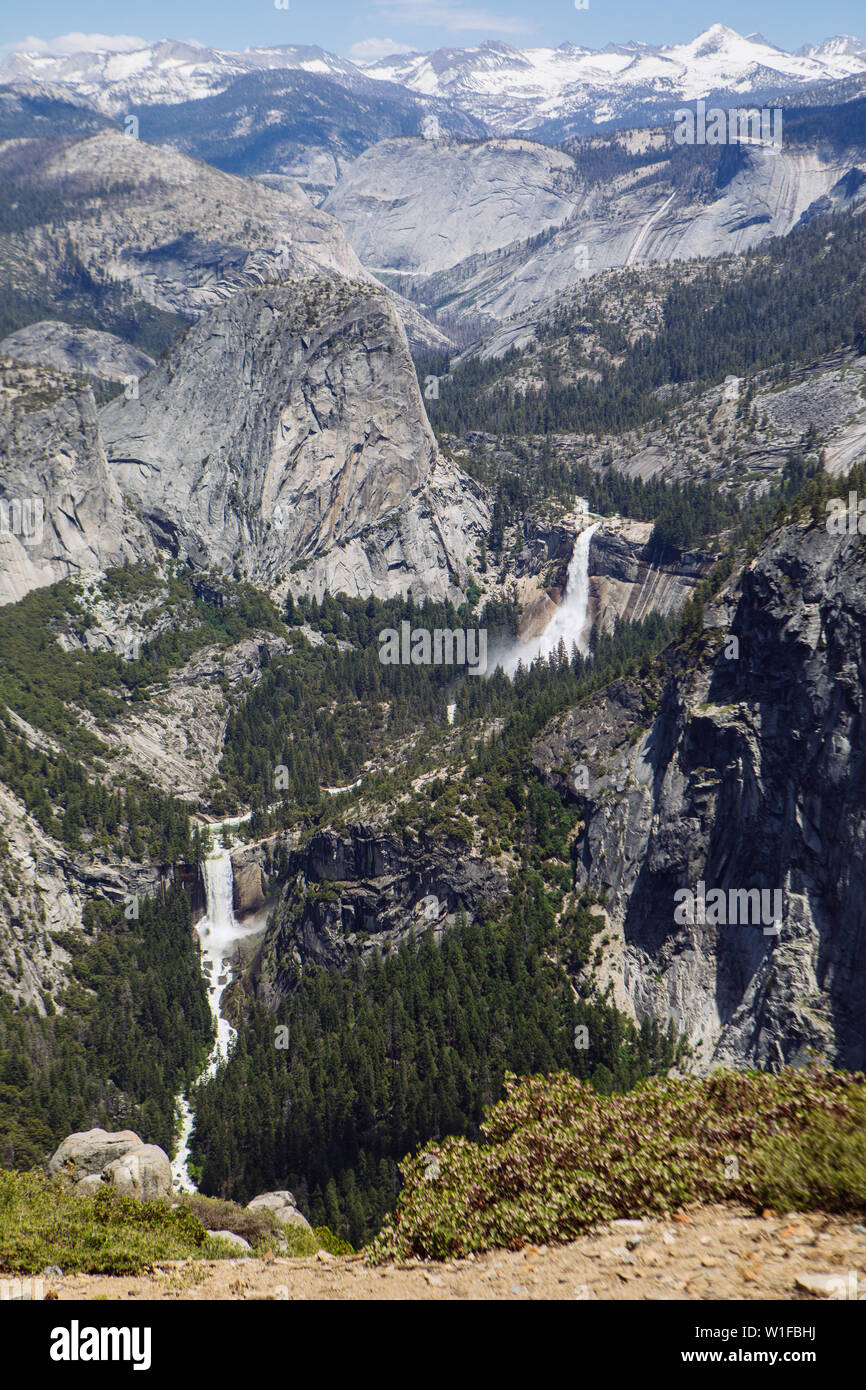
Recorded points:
(717,39)
(512,90)
(842,46)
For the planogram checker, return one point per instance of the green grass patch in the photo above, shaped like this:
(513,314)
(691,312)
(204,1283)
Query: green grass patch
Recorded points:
(43,1221)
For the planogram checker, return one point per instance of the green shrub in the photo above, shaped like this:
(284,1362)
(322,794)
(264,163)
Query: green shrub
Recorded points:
(333,1244)
(43,1221)
(559,1158)
(826,1168)
(259,1226)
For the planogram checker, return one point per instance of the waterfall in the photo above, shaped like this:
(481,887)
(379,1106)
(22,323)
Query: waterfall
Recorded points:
(570,622)
(218,933)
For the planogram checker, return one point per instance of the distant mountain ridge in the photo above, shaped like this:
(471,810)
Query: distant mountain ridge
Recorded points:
(509,89)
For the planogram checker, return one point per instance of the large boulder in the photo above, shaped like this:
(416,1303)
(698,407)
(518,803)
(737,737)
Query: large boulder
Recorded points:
(144,1172)
(282,1204)
(90,1151)
(85,1187)
(121,1159)
(233,1239)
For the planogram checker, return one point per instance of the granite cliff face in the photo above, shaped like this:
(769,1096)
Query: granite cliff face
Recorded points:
(421,206)
(353,894)
(62,511)
(175,232)
(743,769)
(283,435)
(286,431)
(489,231)
(124,227)
(44,890)
(68,348)
(629,577)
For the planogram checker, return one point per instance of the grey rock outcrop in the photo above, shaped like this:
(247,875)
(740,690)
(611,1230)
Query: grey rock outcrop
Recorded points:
(349,895)
(488,232)
(68,348)
(629,577)
(46,891)
(173,232)
(189,236)
(285,434)
(282,1204)
(88,1185)
(457,199)
(62,511)
(233,1239)
(46,900)
(744,770)
(88,1152)
(249,887)
(177,743)
(96,1156)
(319,460)
(143,1172)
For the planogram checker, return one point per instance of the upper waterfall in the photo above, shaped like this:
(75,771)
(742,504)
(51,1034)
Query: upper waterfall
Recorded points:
(570,622)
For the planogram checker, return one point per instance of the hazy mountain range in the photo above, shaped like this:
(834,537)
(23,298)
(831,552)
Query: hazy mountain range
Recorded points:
(509,89)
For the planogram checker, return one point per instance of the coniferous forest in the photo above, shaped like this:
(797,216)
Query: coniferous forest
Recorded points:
(796,298)
(353,1071)
(129,1031)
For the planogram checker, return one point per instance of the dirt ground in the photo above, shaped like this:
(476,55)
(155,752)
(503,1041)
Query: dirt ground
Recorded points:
(713,1253)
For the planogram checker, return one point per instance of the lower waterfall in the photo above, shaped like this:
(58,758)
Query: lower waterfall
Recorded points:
(218,932)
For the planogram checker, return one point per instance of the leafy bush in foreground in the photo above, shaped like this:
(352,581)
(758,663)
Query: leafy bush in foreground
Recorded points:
(559,1157)
(826,1168)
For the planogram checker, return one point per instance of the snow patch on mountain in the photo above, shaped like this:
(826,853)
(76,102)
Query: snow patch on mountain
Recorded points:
(509,88)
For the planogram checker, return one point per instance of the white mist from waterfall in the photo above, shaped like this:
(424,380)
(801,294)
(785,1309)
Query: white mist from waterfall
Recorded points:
(218,933)
(570,622)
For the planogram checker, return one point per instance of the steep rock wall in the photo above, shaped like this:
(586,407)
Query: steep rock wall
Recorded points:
(743,770)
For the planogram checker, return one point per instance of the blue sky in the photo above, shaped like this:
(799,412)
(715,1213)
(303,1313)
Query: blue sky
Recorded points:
(341,25)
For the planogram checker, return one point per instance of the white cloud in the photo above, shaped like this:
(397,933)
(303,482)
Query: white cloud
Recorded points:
(79,43)
(370,49)
(450,14)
